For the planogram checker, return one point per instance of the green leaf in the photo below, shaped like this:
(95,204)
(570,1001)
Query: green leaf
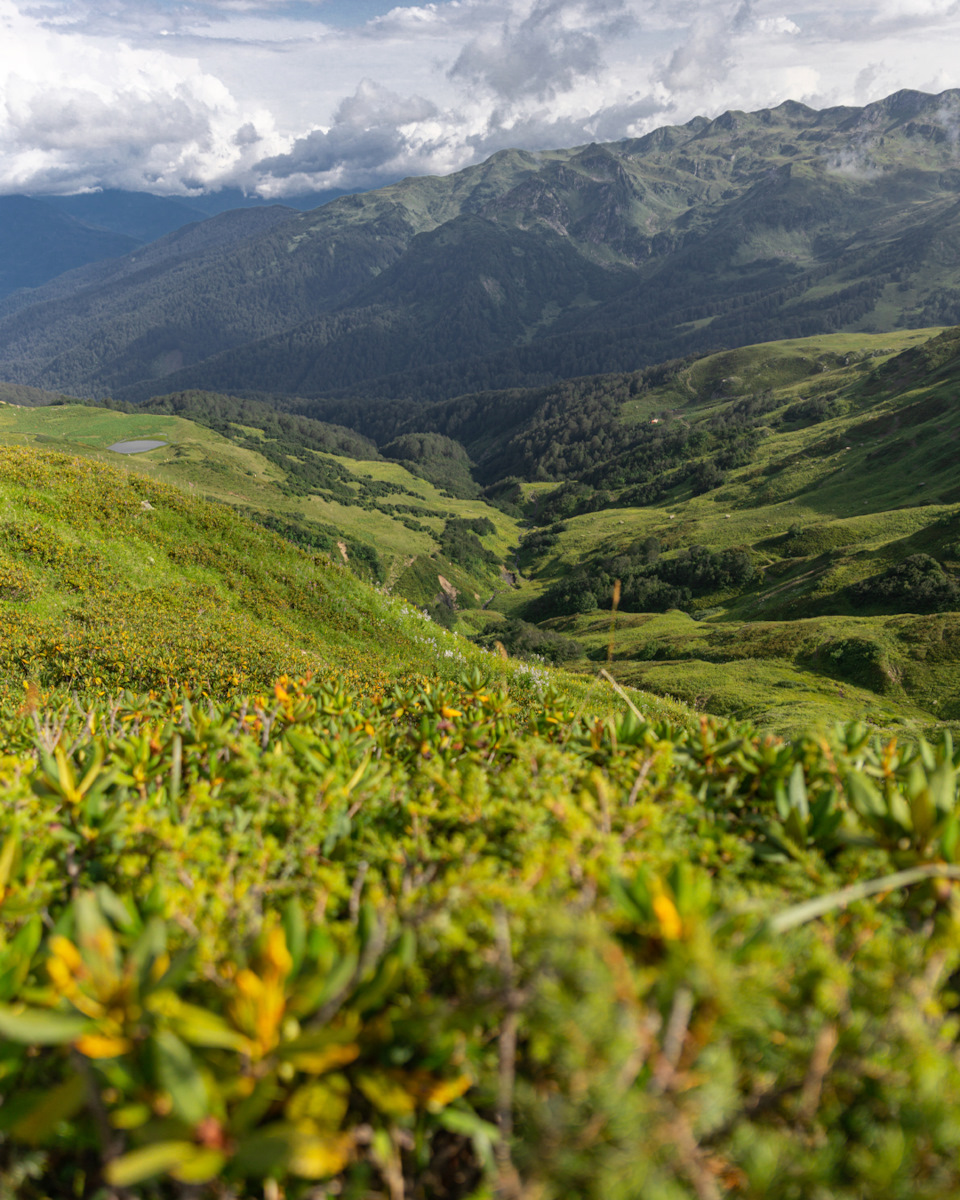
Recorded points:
(295,928)
(263,1154)
(148,1162)
(950,838)
(8,858)
(923,814)
(315,992)
(943,788)
(202,1166)
(117,910)
(40,1027)
(864,796)
(468,1124)
(250,1112)
(177,1073)
(198,1027)
(16,959)
(58,1105)
(797,792)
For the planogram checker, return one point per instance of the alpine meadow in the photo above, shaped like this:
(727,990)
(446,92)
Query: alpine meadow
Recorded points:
(480,674)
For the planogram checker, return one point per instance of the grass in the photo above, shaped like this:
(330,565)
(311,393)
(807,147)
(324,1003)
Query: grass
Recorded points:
(111,580)
(205,463)
(865,488)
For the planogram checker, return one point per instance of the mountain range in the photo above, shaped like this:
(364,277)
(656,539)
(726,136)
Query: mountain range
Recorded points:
(42,237)
(530,267)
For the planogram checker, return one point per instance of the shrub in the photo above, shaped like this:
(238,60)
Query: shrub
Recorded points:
(918,584)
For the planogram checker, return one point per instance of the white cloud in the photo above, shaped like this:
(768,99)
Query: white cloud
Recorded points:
(77,112)
(282,96)
(542,52)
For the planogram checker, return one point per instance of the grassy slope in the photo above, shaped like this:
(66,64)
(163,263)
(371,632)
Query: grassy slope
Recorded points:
(110,579)
(868,488)
(203,461)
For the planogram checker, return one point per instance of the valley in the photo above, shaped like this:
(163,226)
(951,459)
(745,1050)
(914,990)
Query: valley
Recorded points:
(826,438)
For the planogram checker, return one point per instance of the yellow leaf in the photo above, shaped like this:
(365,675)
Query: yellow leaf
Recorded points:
(450,713)
(316,1062)
(200,1167)
(148,1162)
(445,1092)
(277,954)
(671,926)
(323,1102)
(387,1094)
(131,1116)
(248,984)
(64,949)
(319,1155)
(94,1045)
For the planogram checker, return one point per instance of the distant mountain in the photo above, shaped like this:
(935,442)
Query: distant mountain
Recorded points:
(43,237)
(139,215)
(38,242)
(534,267)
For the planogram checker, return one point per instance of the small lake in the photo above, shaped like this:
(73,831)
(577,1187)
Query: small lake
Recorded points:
(135,447)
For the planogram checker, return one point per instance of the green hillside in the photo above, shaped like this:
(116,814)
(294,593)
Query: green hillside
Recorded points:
(392,527)
(792,509)
(526,269)
(111,579)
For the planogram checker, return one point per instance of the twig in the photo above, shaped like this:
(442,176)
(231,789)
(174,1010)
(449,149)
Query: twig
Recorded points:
(111,1140)
(613,621)
(692,1160)
(639,782)
(810,910)
(823,1050)
(357,890)
(617,688)
(676,1034)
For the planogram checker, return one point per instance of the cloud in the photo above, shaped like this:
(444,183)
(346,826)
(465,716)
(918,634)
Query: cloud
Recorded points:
(286,96)
(374,134)
(77,113)
(542,52)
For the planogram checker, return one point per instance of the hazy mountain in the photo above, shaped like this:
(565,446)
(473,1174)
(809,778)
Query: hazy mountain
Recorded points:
(533,267)
(139,215)
(38,242)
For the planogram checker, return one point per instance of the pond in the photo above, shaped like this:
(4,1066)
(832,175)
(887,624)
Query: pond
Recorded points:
(135,447)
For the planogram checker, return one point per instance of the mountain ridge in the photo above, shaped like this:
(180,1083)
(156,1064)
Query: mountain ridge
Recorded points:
(786,222)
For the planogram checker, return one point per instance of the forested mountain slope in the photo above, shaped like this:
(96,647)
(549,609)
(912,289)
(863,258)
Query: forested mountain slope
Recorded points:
(532,267)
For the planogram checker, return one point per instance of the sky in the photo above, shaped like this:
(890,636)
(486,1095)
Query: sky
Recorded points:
(284,97)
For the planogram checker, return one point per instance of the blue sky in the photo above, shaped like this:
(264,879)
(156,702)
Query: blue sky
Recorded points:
(283,97)
(352,12)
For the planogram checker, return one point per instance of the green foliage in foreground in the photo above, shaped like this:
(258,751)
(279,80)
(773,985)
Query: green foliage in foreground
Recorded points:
(429,943)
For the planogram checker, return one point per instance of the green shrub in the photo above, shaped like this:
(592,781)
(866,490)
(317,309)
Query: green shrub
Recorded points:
(918,584)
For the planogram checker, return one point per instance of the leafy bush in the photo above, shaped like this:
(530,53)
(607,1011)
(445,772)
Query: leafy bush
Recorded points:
(413,944)
(524,640)
(571,594)
(460,544)
(918,584)
(812,411)
(439,459)
(707,477)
